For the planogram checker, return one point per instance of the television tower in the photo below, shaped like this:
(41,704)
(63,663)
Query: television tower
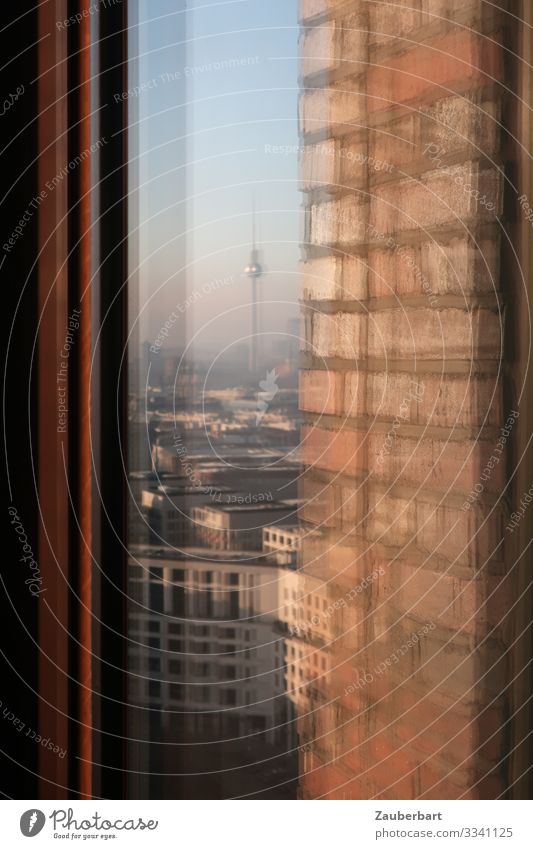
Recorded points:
(254,271)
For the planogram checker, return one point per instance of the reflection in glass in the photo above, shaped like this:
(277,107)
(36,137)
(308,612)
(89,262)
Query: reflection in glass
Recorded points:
(225,641)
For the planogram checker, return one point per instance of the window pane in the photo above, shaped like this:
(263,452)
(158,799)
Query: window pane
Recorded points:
(214,425)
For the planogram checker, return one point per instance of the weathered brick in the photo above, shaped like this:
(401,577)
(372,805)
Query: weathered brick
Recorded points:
(425,399)
(338,335)
(448,196)
(457,57)
(431,269)
(314,8)
(391,395)
(455,124)
(319,278)
(466,673)
(394,143)
(321,502)
(334,44)
(466,605)
(358,162)
(326,560)
(339,108)
(392,274)
(355,393)
(460,266)
(340,222)
(469,537)
(334,277)
(452,401)
(352,499)
(352,163)
(353,42)
(321,392)
(439,130)
(447,466)
(353,283)
(447,11)
(390,520)
(318,49)
(334,451)
(389,22)
(319,165)
(434,334)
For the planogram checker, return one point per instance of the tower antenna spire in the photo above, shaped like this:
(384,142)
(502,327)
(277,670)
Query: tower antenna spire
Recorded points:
(253,221)
(254,271)
(254,245)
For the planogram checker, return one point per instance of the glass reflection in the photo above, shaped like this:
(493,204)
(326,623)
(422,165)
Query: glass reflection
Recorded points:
(227,641)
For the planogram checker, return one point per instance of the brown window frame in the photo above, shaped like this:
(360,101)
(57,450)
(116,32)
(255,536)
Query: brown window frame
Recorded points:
(82,261)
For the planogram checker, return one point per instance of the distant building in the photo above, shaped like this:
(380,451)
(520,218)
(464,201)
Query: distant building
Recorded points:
(139,448)
(234,527)
(306,615)
(205,637)
(168,509)
(282,542)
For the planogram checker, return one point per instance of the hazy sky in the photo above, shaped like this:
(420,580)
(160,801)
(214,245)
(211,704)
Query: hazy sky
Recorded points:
(203,134)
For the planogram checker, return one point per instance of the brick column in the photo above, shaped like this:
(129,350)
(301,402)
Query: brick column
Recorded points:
(401,397)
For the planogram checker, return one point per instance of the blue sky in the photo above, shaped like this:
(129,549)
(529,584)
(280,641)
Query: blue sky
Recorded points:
(231,90)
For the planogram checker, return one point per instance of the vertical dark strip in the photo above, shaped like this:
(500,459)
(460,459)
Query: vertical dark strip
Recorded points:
(85,543)
(110,417)
(517,270)
(73,223)
(18,185)
(53,431)
(80,467)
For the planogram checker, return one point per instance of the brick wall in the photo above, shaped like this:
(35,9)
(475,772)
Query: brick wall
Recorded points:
(402,397)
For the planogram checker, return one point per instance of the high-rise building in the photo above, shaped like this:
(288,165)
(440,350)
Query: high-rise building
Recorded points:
(207,661)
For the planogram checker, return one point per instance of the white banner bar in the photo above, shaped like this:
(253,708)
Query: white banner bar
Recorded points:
(269,824)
